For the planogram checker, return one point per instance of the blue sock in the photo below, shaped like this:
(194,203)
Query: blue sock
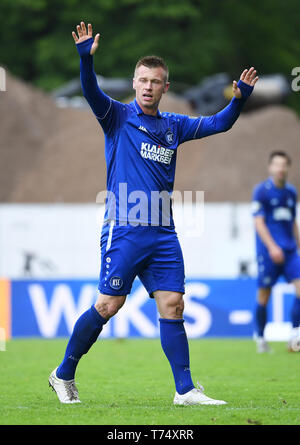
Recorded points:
(86,331)
(261,319)
(175,346)
(295,315)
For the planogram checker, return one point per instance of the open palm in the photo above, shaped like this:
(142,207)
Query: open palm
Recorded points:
(84,34)
(249,77)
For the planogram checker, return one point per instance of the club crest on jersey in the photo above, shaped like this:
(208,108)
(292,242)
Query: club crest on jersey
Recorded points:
(116,282)
(156,153)
(274,202)
(169,137)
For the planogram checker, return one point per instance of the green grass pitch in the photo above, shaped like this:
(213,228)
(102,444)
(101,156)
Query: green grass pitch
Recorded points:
(129,382)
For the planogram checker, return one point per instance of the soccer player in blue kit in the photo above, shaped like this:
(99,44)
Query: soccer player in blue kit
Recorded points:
(138,238)
(277,242)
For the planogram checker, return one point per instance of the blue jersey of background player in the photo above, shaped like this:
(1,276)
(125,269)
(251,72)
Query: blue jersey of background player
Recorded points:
(139,239)
(277,241)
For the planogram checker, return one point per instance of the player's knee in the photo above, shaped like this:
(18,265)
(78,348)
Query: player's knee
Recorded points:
(107,305)
(107,310)
(175,306)
(180,308)
(263,296)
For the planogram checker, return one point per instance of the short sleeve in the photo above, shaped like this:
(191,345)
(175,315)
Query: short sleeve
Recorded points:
(258,202)
(295,202)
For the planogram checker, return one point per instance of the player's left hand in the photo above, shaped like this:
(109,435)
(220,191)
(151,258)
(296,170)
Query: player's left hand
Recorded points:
(84,34)
(249,77)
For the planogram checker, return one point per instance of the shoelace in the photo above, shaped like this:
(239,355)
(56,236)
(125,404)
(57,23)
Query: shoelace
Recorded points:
(199,387)
(71,390)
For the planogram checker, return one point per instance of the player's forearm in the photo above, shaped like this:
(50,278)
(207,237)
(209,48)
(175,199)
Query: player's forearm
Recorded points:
(296,234)
(224,119)
(264,233)
(97,99)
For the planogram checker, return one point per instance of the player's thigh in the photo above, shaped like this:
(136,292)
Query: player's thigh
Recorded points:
(164,270)
(268,272)
(108,305)
(296,283)
(170,304)
(122,254)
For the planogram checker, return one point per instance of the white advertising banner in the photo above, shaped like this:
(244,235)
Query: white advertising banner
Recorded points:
(63,240)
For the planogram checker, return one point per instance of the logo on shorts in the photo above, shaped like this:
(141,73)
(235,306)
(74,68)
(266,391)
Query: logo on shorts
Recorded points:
(116,282)
(267,280)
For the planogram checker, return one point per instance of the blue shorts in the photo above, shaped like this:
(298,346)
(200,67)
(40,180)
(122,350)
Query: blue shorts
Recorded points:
(269,272)
(152,253)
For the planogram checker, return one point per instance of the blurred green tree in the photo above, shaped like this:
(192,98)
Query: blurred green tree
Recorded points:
(196,37)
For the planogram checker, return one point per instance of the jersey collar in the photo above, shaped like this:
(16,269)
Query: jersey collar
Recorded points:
(271,181)
(139,111)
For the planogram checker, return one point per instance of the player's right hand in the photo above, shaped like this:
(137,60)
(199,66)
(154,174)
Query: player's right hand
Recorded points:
(276,254)
(84,34)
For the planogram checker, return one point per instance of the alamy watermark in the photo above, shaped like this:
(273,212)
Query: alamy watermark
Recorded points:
(2,79)
(296,81)
(155,208)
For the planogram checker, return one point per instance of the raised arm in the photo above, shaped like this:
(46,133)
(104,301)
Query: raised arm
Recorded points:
(196,128)
(87,46)
(224,119)
(296,234)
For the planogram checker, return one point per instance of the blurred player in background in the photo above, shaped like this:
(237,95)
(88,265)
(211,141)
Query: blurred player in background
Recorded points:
(277,243)
(140,152)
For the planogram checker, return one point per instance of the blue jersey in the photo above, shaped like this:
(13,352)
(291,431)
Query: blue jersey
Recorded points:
(141,149)
(278,207)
